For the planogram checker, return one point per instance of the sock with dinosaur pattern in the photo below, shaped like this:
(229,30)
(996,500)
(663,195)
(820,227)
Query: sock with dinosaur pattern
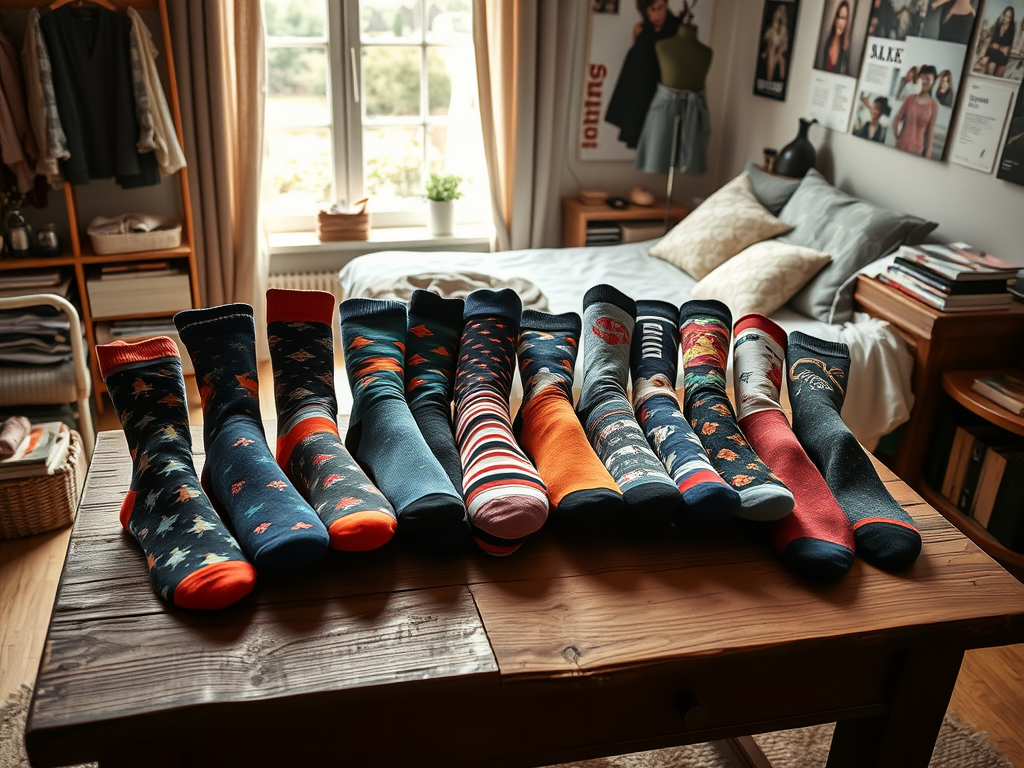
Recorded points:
(815,541)
(704,328)
(382,433)
(818,378)
(579,487)
(653,365)
(300,333)
(194,562)
(273,523)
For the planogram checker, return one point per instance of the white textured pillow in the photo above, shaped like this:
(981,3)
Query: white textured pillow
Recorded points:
(718,229)
(761,278)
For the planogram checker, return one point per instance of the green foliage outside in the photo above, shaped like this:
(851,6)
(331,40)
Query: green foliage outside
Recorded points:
(443,187)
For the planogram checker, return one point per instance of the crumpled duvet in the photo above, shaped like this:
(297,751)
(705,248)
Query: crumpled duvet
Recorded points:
(455,285)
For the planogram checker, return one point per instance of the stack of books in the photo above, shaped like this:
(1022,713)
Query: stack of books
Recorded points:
(42,452)
(144,288)
(952,277)
(1004,389)
(601,233)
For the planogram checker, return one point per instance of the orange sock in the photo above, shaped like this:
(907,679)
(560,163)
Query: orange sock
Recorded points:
(579,486)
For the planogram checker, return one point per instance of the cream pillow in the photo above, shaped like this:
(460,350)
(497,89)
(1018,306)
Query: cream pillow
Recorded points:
(718,229)
(761,278)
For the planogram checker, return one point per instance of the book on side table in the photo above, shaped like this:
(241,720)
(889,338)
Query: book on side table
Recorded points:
(1005,389)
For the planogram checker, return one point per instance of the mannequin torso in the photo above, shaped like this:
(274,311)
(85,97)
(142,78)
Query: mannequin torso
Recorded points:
(684,60)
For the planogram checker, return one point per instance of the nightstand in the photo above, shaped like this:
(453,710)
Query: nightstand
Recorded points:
(576,216)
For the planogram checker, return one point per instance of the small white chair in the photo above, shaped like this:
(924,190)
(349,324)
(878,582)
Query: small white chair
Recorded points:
(52,384)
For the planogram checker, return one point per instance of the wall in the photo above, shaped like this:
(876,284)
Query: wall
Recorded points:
(981,209)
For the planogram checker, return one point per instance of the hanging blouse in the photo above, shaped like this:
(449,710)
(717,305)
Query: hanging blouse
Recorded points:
(42,103)
(89,53)
(17,143)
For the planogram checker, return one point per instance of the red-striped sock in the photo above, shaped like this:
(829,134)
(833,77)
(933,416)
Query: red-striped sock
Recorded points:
(815,540)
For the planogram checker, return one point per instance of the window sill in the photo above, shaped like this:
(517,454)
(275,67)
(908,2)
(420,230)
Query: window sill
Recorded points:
(302,251)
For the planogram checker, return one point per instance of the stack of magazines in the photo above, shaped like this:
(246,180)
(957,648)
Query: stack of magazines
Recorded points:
(952,277)
(1005,389)
(41,452)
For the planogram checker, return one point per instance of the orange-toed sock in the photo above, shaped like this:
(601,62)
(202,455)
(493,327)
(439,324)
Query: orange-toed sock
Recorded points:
(309,450)
(579,487)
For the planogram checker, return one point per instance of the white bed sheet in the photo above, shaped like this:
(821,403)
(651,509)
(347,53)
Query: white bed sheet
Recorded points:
(879,397)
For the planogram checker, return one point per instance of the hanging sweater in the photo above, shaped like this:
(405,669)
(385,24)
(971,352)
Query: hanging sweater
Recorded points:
(17,143)
(89,53)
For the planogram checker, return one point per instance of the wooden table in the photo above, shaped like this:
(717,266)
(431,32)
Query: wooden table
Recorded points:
(584,643)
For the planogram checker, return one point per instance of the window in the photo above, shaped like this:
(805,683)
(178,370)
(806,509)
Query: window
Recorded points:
(366,98)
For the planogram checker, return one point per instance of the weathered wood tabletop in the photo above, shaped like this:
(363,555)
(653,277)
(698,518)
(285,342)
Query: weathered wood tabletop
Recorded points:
(583,643)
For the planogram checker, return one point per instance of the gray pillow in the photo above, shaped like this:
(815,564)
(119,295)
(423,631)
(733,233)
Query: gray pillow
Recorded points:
(852,231)
(772,192)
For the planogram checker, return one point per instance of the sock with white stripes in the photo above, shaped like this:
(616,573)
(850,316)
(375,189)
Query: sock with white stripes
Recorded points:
(505,496)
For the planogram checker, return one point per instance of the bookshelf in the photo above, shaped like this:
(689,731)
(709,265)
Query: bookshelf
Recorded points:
(576,215)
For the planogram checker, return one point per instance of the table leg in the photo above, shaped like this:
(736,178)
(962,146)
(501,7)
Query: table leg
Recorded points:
(905,736)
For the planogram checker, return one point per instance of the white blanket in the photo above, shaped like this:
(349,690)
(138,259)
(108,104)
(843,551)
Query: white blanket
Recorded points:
(879,396)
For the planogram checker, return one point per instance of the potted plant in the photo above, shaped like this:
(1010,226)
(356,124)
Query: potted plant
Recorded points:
(442,192)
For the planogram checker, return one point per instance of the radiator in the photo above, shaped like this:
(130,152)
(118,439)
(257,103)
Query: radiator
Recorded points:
(308,281)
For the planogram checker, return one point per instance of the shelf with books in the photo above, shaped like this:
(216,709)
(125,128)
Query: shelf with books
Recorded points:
(179,251)
(957,384)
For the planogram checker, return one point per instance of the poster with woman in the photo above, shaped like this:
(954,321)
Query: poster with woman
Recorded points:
(775,46)
(622,72)
(999,51)
(837,62)
(951,21)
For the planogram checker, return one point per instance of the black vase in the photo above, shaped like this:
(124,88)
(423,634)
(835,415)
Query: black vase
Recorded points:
(799,156)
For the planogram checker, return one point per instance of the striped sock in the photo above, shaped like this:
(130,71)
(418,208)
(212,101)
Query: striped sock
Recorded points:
(579,487)
(607,416)
(382,433)
(818,378)
(506,499)
(309,450)
(704,328)
(653,364)
(815,541)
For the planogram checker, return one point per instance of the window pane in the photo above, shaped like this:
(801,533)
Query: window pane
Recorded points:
(297,87)
(449,21)
(458,148)
(298,167)
(390,20)
(391,80)
(393,159)
(295,18)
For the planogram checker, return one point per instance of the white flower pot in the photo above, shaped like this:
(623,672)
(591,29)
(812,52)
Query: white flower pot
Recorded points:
(442,218)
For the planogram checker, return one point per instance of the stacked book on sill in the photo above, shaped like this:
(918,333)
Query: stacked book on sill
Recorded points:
(952,277)
(140,288)
(979,469)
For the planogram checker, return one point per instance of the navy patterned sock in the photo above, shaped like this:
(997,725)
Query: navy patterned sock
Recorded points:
(309,450)
(382,433)
(653,363)
(193,561)
(274,525)
(607,416)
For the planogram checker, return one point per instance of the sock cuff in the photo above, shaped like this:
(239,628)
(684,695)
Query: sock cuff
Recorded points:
(661,309)
(118,354)
(610,295)
(545,321)
(763,324)
(705,308)
(818,346)
(188,320)
(430,305)
(289,306)
(484,301)
(353,309)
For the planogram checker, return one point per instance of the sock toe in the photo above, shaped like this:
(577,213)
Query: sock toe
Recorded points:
(709,503)
(300,548)
(495,545)
(362,531)
(889,546)
(652,502)
(765,502)
(592,506)
(511,517)
(817,560)
(433,512)
(215,586)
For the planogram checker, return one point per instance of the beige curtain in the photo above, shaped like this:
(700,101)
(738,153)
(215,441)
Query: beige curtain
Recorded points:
(524,52)
(220,60)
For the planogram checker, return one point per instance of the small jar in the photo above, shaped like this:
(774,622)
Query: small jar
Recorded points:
(18,234)
(47,242)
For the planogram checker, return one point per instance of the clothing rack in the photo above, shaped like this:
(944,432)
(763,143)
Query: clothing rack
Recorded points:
(81,257)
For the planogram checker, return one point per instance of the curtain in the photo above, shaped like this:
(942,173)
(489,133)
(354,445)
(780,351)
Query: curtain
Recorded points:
(524,58)
(220,60)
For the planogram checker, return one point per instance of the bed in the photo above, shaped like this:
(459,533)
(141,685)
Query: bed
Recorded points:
(879,397)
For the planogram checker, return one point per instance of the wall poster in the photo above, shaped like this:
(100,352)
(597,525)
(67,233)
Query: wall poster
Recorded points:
(983,113)
(999,51)
(913,62)
(774,48)
(622,73)
(1011,166)
(837,62)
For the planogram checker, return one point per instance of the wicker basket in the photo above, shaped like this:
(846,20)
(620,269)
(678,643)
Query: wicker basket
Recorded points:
(334,227)
(30,505)
(131,242)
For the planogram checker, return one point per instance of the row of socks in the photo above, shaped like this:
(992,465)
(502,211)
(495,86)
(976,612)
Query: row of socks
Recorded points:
(440,481)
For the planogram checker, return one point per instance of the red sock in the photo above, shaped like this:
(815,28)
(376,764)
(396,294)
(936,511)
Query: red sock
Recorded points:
(815,540)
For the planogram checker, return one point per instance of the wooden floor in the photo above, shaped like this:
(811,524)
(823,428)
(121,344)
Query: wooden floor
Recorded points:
(989,692)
